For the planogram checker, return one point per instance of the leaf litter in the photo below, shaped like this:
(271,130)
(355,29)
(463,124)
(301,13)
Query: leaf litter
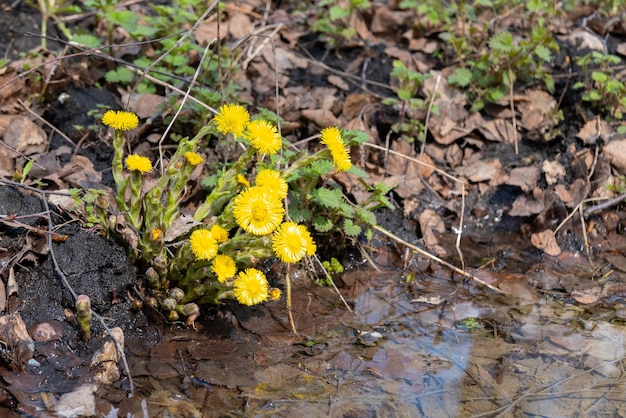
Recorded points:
(424,340)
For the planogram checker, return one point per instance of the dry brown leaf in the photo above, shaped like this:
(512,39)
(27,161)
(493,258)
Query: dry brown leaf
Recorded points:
(524,177)
(546,241)
(24,136)
(483,171)
(239,25)
(526,205)
(144,105)
(321,117)
(595,129)
(615,151)
(553,170)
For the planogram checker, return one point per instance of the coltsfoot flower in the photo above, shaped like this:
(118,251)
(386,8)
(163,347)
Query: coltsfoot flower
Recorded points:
(136,162)
(193,158)
(331,137)
(291,242)
(273,180)
(251,287)
(219,233)
(275,293)
(120,120)
(203,244)
(257,210)
(264,136)
(241,179)
(232,118)
(224,267)
(156,234)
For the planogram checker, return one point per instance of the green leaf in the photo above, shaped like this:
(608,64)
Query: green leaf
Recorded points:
(461,77)
(330,198)
(350,228)
(322,167)
(322,224)
(120,75)
(502,41)
(367,216)
(87,40)
(124,18)
(578,85)
(599,76)
(543,53)
(338,12)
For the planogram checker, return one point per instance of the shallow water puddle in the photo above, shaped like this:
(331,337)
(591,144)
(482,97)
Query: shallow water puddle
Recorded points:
(399,356)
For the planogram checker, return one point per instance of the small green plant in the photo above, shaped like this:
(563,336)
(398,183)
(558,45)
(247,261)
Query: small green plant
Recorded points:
(242,220)
(490,76)
(332,267)
(93,204)
(602,90)
(333,19)
(412,108)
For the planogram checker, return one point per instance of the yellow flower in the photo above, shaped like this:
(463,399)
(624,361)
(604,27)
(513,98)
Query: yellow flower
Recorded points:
(264,136)
(251,287)
(120,120)
(136,162)
(193,158)
(331,137)
(156,234)
(232,118)
(203,244)
(241,179)
(257,210)
(219,233)
(292,242)
(273,180)
(275,293)
(224,267)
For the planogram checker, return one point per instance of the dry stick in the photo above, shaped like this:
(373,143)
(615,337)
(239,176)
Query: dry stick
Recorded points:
(515,142)
(181,105)
(288,302)
(423,148)
(66,284)
(437,259)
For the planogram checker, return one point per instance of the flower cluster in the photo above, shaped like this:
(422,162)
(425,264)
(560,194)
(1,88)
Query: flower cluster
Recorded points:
(241,221)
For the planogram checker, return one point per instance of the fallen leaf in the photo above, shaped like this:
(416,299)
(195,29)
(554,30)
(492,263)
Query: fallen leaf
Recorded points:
(546,241)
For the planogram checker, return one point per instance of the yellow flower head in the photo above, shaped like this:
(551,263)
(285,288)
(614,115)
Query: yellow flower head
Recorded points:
(292,242)
(331,137)
(241,179)
(264,136)
(273,180)
(232,118)
(224,267)
(136,162)
(251,287)
(193,158)
(120,120)
(156,234)
(203,244)
(275,293)
(219,233)
(257,210)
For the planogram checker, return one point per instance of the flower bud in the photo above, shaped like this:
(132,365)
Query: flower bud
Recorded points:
(168,304)
(152,302)
(172,316)
(176,293)
(188,309)
(153,278)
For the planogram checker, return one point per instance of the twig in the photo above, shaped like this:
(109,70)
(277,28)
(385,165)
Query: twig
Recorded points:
(437,259)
